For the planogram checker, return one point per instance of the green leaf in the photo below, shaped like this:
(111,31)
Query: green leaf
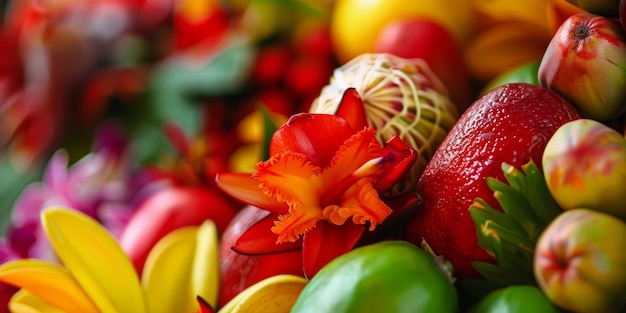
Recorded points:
(181,82)
(269,128)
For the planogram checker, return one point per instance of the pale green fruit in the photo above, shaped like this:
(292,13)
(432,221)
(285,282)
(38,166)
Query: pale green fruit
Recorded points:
(579,261)
(584,165)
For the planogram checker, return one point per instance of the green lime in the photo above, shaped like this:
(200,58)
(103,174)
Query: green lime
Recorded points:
(388,276)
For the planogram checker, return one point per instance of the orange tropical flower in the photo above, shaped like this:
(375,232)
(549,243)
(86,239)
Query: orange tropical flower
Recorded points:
(336,193)
(324,183)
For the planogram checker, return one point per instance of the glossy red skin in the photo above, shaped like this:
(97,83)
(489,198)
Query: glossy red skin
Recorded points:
(428,40)
(169,209)
(318,136)
(512,124)
(239,271)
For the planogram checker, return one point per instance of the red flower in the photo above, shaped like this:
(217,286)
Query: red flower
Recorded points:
(323,184)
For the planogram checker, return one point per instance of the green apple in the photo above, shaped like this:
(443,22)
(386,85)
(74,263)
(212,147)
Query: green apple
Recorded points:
(579,261)
(585,62)
(524,73)
(584,164)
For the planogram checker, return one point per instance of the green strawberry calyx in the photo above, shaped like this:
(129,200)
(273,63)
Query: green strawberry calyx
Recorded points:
(509,235)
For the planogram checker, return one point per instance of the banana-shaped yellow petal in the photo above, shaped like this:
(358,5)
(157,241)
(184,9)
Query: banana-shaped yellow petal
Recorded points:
(206,268)
(95,259)
(503,46)
(52,284)
(26,302)
(182,266)
(276,294)
(166,273)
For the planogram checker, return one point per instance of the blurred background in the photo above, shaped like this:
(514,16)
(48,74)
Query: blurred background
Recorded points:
(179,88)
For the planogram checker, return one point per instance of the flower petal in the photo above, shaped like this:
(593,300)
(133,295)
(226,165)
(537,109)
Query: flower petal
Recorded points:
(95,259)
(403,158)
(206,267)
(308,134)
(352,110)
(26,302)
(53,284)
(289,177)
(299,220)
(166,275)
(259,239)
(245,188)
(358,149)
(326,242)
(361,202)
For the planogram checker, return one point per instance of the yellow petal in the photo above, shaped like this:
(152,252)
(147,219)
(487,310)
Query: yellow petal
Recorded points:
(167,272)
(206,268)
(95,259)
(26,302)
(276,294)
(184,264)
(52,283)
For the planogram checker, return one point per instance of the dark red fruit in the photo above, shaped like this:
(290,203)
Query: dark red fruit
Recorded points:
(511,124)
(239,271)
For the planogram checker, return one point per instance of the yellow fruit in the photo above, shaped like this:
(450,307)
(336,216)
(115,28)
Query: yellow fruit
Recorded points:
(530,11)
(504,46)
(355,24)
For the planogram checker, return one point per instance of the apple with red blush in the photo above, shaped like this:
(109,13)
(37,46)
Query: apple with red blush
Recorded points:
(579,261)
(585,62)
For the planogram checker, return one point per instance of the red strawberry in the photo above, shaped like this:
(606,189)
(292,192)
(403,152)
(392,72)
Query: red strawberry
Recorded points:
(512,124)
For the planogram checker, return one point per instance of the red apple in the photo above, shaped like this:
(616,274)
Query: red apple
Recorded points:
(585,63)
(428,40)
(239,271)
(171,208)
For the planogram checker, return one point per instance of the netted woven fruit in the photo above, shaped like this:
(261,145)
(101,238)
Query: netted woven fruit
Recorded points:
(401,96)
